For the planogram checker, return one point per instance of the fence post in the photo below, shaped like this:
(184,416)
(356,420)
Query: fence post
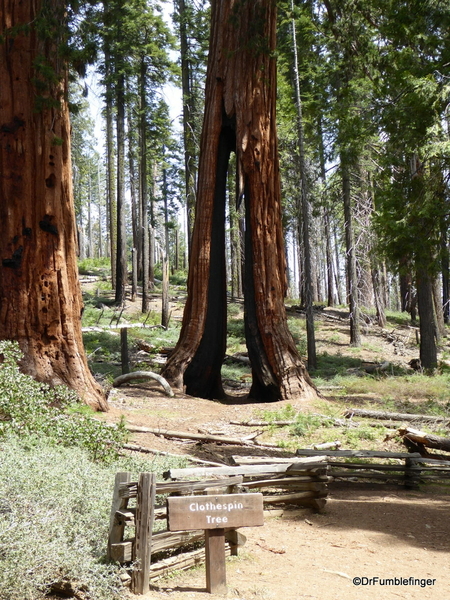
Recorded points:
(145,508)
(124,350)
(412,474)
(116,527)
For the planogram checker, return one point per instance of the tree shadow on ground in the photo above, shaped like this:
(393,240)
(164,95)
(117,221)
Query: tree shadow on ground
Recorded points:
(415,518)
(328,366)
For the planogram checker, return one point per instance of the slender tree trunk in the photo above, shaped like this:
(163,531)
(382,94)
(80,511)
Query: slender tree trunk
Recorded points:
(378,296)
(427,323)
(40,297)
(100,215)
(134,182)
(89,233)
(445,265)
(143,205)
(240,117)
(326,219)
(188,122)
(305,206)
(235,239)
(438,309)
(110,165)
(337,273)
(121,265)
(352,277)
(165,300)
(329,258)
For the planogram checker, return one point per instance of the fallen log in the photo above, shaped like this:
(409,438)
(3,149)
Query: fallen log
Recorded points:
(118,381)
(388,416)
(254,423)
(200,437)
(327,446)
(357,453)
(111,327)
(326,420)
(144,450)
(423,440)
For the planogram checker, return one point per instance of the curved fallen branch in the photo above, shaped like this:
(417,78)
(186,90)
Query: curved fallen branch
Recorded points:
(118,381)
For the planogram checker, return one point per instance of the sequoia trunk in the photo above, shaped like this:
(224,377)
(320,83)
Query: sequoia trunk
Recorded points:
(239,117)
(40,299)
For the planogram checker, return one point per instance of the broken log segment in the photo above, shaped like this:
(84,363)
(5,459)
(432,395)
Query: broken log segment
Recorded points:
(387,416)
(420,438)
(118,381)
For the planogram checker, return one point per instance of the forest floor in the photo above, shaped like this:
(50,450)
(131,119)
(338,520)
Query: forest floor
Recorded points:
(365,530)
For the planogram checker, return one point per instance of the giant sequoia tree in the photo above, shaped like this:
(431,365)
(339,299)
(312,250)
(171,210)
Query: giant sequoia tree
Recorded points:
(239,117)
(40,299)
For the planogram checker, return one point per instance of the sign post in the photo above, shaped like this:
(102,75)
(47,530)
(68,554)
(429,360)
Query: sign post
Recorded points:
(214,514)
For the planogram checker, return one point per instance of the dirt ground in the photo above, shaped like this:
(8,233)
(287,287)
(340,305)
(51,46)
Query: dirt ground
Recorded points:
(364,531)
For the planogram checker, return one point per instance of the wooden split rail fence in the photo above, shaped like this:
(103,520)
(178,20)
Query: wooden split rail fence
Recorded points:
(409,468)
(138,505)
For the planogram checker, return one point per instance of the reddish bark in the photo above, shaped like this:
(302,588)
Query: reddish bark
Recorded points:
(40,298)
(239,117)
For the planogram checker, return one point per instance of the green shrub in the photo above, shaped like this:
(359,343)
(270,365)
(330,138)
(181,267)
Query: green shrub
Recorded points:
(54,505)
(30,407)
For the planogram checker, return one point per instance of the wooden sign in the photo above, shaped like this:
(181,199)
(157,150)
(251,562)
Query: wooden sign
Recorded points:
(185,513)
(214,514)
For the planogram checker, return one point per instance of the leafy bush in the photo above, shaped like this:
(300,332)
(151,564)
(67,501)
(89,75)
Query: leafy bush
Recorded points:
(30,407)
(54,509)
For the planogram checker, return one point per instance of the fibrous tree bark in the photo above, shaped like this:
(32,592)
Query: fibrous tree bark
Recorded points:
(40,298)
(239,117)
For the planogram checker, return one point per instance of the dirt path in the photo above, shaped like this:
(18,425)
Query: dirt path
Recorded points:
(367,532)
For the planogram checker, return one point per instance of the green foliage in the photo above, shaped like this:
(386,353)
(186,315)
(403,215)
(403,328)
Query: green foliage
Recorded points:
(399,389)
(304,424)
(297,329)
(235,371)
(28,407)
(54,519)
(54,504)
(94,266)
(236,329)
